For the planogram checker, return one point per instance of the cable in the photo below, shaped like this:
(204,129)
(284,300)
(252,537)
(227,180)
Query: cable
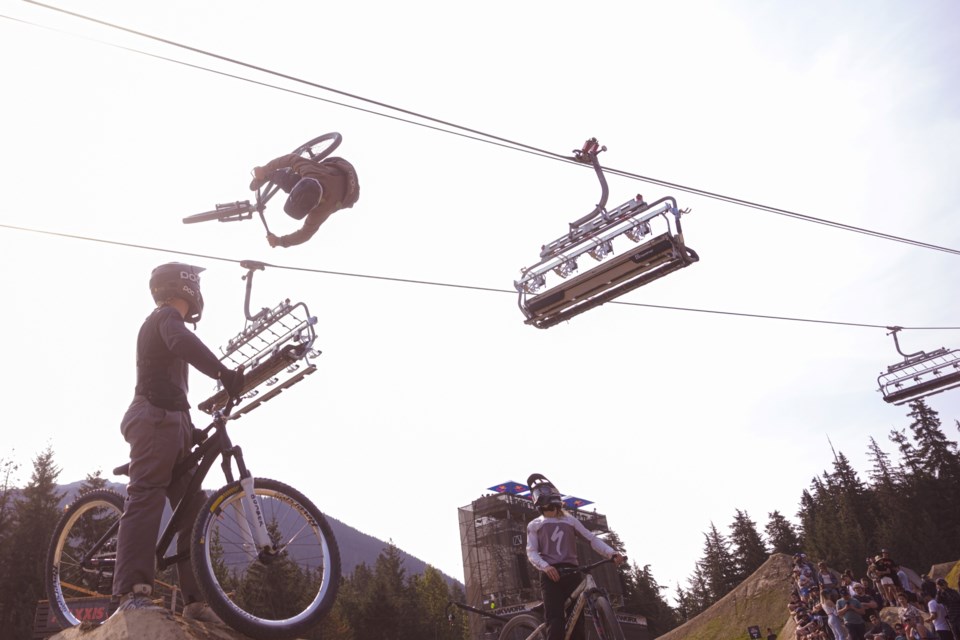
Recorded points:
(434,283)
(492,139)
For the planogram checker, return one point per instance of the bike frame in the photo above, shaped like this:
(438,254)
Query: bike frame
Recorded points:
(198,463)
(581,600)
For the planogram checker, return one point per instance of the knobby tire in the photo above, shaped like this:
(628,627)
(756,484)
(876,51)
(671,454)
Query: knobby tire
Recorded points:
(82,524)
(606,620)
(271,597)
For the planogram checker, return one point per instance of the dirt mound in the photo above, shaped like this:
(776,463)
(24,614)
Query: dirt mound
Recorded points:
(760,600)
(155,625)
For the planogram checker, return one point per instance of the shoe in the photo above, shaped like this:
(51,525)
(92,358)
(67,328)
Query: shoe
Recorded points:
(201,612)
(137,602)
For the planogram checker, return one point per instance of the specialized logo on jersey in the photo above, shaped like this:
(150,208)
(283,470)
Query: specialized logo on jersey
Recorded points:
(557,537)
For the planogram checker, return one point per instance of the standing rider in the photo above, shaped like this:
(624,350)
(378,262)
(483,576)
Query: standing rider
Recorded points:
(316,189)
(552,545)
(157,426)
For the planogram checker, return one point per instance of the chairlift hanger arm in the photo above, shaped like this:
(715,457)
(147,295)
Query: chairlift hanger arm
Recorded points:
(251,266)
(589,153)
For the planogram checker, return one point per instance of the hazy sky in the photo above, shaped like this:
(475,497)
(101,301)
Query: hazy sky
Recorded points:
(425,395)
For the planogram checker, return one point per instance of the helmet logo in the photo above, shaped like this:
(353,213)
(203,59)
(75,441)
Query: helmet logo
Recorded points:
(192,277)
(190,292)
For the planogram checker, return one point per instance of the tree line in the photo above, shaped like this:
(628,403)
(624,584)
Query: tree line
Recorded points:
(907,504)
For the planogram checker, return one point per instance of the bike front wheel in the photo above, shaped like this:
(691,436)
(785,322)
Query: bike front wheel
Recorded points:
(278,593)
(81,558)
(523,627)
(606,620)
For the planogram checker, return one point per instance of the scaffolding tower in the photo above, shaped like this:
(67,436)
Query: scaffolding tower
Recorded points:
(499,579)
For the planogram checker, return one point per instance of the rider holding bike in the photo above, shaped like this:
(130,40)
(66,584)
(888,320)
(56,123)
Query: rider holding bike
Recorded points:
(551,547)
(158,428)
(316,190)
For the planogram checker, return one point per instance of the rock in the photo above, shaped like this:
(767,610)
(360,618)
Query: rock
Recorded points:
(149,625)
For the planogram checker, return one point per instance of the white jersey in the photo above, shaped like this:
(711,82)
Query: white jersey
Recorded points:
(552,541)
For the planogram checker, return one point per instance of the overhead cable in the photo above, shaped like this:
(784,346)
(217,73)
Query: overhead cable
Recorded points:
(434,283)
(493,139)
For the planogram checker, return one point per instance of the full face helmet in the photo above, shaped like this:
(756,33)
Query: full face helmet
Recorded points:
(543,492)
(304,196)
(178,280)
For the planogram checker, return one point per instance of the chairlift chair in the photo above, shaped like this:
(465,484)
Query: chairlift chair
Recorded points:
(594,235)
(275,348)
(920,374)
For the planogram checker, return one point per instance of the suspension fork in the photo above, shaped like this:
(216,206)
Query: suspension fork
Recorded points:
(249,516)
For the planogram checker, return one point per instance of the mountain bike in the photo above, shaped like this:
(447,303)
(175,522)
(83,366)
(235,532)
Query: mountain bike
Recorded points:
(264,555)
(587,597)
(316,149)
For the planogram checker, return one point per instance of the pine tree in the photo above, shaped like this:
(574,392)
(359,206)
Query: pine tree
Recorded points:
(717,565)
(781,534)
(35,515)
(749,551)
(647,601)
(92,482)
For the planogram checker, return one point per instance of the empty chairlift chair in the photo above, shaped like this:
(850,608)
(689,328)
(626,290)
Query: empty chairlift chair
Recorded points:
(599,235)
(920,374)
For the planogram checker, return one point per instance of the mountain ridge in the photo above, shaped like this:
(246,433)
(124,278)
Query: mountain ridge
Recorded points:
(355,546)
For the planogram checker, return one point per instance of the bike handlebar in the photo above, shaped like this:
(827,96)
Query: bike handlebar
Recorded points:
(585,568)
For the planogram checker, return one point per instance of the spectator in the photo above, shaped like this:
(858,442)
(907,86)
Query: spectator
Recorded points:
(879,630)
(828,601)
(868,597)
(927,586)
(795,603)
(852,613)
(950,598)
(906,585)
(770,634)
(886,572)
(898,629)
(912,619)
(938,616)
(828,578)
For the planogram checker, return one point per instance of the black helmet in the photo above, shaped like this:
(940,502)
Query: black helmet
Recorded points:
(543,492)
(303,197)
(178,280)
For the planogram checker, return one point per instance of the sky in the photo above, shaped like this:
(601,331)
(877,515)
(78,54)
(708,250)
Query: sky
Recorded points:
(667,417)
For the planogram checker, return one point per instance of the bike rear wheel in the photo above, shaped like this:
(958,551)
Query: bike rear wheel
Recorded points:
(277,595)
(320,147)
(82,556)
(606,620)
(520,627)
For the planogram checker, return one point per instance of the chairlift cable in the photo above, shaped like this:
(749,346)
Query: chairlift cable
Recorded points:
(453,285)
(486,137)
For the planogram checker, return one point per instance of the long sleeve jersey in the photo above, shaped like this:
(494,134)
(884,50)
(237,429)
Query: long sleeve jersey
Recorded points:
(552,541)
(164,349)
(340,190)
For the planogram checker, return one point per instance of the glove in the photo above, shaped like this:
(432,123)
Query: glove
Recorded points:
(273,240)
(232,381)
(258,178)
(199,437)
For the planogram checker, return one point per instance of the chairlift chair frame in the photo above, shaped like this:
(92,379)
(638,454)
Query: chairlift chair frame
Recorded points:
(274,348)
(593,235)
(920,374)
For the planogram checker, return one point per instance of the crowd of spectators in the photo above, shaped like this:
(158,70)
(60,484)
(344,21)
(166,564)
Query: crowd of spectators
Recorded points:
(827,604)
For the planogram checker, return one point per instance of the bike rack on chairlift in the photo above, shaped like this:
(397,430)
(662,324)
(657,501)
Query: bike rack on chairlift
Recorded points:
(594,235)
(270,348)
(920,374)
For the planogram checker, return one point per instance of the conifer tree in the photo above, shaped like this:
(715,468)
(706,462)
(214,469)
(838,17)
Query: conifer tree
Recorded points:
(646,600)
(35,515)
(749,551)
(781,534)
(717,565)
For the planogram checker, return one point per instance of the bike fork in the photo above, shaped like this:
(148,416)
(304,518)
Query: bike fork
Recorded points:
(249,517)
